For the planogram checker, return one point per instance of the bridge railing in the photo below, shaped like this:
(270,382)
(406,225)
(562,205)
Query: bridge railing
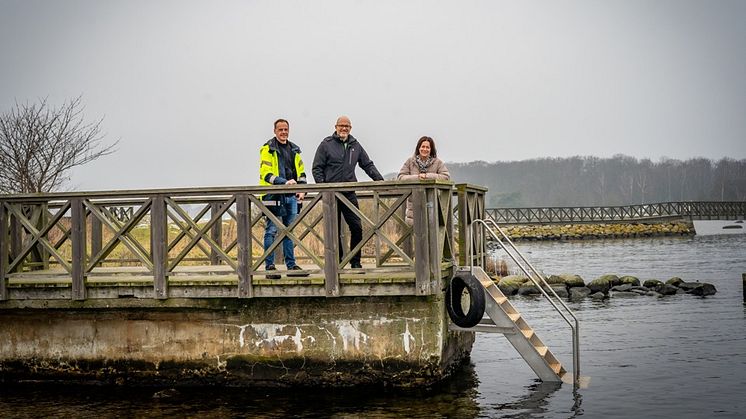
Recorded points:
(694,210)
(171,235)
(470,207)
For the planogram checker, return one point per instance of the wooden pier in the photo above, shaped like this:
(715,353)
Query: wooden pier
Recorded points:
(167,286)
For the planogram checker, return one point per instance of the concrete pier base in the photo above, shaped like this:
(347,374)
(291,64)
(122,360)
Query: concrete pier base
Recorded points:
(398,341)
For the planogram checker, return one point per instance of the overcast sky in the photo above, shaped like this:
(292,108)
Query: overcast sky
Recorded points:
(191,88)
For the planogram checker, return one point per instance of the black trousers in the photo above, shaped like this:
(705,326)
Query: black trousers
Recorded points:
(353,221)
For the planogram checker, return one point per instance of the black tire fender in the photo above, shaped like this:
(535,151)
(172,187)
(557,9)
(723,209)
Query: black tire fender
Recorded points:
(454,291)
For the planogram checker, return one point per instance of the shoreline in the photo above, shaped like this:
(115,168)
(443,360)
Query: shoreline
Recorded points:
(537,232)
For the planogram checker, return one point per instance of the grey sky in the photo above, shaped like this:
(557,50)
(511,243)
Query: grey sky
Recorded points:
(192,87)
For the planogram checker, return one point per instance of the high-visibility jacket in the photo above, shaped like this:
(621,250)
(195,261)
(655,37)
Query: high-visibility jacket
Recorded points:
(271,166)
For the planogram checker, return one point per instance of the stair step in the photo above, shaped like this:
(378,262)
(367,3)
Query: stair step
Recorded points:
(542,350)
(557,368)
(484,328)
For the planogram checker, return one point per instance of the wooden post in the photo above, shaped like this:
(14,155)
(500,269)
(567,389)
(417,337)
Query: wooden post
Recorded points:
(97,235)
(464,233)
(331,243)
(216,233)
(78,242)
(407,244)
(479,214)
(449,228)
(433,234)
(16,238)
(4,249)
(43,220)
(743,278)
(159,245)
(243,212)
(421,243)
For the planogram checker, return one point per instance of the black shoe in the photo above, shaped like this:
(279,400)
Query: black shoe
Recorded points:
(272,276)
(296,268)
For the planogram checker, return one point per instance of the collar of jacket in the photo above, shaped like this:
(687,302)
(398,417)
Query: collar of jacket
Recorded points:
(274,145)
(350,138)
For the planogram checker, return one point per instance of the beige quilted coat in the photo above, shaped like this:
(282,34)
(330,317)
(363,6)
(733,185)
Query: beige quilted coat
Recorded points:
(410,171)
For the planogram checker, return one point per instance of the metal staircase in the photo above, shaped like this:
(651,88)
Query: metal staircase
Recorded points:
(502,317)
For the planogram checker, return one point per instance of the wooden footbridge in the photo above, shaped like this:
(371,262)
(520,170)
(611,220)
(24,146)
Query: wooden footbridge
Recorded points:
(656,212)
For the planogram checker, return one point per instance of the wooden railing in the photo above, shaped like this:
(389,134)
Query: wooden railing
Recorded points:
(211,238)
(644,212)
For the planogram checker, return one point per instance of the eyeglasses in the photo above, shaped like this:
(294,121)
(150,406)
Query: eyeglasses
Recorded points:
(344,126)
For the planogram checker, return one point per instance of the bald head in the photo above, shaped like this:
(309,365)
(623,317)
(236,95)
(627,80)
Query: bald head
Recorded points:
(343,127)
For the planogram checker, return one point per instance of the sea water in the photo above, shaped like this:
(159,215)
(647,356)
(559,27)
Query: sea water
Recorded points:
(676,356)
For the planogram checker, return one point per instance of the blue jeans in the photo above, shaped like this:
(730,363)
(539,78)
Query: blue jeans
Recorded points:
(290,206)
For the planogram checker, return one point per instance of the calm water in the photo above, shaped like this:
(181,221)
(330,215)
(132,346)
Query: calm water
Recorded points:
(680,356)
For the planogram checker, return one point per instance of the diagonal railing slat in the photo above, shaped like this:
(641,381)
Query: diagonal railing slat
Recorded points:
(121,234)
(37,237)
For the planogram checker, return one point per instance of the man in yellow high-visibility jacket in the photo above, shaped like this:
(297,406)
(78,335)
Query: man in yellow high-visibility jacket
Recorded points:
(280,164)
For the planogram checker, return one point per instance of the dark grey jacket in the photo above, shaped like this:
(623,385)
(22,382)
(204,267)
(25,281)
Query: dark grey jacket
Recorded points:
(336,163)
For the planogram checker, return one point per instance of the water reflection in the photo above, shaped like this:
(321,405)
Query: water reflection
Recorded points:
(456,397)
(535,404)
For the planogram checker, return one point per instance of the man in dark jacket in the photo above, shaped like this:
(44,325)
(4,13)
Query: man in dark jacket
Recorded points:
(335,161)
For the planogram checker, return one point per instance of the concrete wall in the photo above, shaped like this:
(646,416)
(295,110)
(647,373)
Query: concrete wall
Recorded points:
(399,341)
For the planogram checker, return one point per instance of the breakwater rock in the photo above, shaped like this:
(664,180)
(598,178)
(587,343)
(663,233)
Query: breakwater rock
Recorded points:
(597,231)
(573,287)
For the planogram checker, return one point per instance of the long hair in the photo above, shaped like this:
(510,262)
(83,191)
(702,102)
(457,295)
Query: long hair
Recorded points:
(433,152)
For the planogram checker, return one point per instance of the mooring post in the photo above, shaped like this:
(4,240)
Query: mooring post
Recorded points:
(743,279)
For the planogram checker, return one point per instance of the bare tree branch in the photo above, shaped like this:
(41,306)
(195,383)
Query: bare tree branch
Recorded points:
(39,145)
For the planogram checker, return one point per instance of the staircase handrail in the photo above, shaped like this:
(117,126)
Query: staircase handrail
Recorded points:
(574,324)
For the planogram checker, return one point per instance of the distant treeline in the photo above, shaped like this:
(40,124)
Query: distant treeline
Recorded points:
(594,181)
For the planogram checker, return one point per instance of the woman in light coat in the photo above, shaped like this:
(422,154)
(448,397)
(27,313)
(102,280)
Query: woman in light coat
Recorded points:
(425,164)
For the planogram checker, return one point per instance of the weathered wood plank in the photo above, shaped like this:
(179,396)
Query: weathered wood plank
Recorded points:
(433,231)
(464,235)
(16,241)
(159,245)
(421,251)
(243,214)
(216,232)
(78,241)
(331,243)
(97,235)
(4,250)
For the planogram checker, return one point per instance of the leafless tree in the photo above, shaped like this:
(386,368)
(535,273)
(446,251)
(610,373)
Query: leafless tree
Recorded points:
(39,145)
